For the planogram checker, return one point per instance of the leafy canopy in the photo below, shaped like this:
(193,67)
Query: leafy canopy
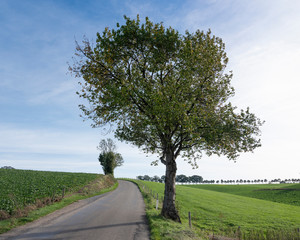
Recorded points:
(108,158)
(164,91)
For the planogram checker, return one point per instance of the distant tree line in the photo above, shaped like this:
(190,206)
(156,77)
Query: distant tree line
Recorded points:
(198,179)
(179,178)
(7,167)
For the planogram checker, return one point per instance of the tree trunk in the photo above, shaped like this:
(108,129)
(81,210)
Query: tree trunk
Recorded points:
(169,208)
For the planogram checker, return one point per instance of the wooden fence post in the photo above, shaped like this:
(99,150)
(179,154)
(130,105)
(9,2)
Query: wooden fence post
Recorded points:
(190,220)
(156,207)
(239,235)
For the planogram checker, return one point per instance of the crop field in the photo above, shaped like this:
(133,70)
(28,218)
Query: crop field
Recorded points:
(231,210)
(19,188)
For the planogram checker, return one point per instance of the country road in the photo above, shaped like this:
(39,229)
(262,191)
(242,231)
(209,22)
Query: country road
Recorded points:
(117,215)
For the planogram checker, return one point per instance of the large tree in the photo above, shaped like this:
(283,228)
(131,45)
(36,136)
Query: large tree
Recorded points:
(166,93)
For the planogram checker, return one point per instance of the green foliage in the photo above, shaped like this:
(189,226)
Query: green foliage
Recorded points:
(196,179)
(164,91)
(223,213)
(19,188)
(108,158)
(281,193)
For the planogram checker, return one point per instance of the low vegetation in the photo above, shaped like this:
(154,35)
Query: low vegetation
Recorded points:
(19,188)
(27,195)
(281,193)
(217,213)
(161,228)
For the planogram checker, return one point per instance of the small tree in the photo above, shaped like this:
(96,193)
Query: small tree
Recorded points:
(155,179)
(140,177)
(196,179)
(108,158)
(182,178)
(166,93)
(147,178)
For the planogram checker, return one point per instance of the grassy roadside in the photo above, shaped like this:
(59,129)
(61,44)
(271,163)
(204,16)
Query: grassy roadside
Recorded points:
(160,227)
(101,185)
(221,214)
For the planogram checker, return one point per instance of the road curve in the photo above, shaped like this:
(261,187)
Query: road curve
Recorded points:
(117,215)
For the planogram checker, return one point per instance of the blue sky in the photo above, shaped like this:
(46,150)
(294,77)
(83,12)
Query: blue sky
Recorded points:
(40,127)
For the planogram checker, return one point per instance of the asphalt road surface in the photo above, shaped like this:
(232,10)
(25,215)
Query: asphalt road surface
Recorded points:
(117,215)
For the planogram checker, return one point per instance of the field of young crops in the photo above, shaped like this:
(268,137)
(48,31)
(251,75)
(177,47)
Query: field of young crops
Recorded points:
(19,188)
(225,210)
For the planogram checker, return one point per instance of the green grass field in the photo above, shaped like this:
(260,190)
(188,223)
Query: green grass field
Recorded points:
(223,213)
(19,188)
(281,193)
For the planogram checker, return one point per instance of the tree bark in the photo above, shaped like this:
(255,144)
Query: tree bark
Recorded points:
(169,208)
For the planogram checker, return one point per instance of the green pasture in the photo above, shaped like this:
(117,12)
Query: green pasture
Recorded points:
(281,193)
(223,213)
